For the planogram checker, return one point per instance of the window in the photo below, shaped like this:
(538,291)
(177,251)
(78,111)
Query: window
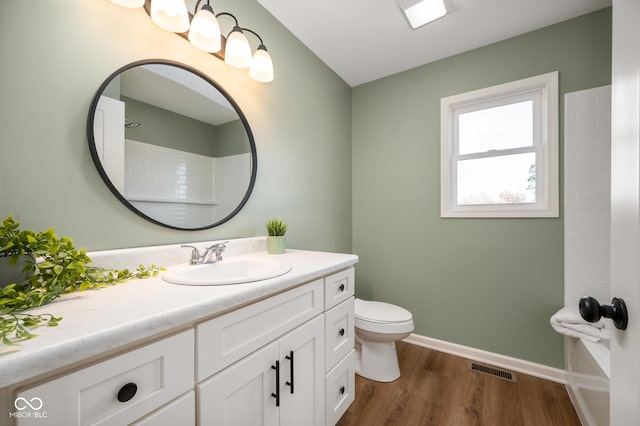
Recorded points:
(499,150)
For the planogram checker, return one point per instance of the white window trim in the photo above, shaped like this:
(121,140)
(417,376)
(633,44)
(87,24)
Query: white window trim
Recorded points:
(547,171)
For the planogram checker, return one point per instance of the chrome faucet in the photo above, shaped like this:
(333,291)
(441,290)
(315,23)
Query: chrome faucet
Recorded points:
(197,259)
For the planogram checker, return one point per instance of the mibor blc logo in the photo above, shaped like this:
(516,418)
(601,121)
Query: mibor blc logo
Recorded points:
(28,408)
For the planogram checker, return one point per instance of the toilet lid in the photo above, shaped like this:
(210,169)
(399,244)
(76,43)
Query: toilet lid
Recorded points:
(380,311)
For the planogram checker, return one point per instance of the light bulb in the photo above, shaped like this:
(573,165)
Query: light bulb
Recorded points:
(205,30)
(261,66)
(170,15)
(237,52)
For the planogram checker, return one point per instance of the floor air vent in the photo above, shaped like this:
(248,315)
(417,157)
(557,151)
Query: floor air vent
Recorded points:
(492,371)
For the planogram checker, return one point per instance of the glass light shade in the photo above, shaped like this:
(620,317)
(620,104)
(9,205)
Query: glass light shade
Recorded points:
(261,66)
(129,3)
(170,15)
(205,31)
(237,52)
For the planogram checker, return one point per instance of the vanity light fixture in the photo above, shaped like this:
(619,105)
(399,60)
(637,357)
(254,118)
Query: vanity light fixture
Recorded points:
(205,34)
(421,12)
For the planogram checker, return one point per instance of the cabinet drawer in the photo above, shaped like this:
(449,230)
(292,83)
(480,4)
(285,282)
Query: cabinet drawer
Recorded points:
(339,332)
(340,388)
(119,390)
(227,338)
(339,287)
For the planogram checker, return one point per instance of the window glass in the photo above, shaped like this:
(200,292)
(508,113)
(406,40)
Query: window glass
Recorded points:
(508,179)
(500,127)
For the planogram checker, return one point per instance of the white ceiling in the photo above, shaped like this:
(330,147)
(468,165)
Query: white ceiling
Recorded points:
(182,92)
(364,40)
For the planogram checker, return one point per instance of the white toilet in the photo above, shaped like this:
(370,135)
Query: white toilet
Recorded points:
(378,325)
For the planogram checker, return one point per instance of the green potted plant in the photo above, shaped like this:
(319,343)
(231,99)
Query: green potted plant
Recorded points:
(38,267)
(276,230)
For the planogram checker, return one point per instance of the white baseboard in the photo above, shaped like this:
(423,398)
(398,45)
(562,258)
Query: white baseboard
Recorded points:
(502,361)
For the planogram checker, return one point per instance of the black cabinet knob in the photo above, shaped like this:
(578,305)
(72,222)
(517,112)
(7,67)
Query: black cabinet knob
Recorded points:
(341,287)
(342,390)
(127,392)
(592,311)
(341,332)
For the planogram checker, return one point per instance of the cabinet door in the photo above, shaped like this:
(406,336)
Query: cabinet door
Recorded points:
(241,395)
(302,375)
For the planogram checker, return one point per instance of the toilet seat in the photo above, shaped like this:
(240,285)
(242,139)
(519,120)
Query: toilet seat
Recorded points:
(381,317)
(380,312)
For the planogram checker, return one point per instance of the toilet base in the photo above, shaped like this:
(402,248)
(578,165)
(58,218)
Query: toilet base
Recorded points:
(377,360)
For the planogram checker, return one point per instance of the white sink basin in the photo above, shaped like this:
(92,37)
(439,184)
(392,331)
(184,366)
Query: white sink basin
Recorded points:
(227,271)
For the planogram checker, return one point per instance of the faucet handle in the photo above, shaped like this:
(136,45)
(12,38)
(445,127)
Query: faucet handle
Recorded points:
(195,254)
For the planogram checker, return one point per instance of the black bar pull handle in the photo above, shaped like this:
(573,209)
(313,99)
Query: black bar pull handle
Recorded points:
(277,394)
(290,358)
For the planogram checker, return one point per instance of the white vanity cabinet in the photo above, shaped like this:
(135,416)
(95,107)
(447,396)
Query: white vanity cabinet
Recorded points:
(284,360)
(303,377)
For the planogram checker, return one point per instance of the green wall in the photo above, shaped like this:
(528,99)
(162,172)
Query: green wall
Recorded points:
(165,128)
(490,284)
(231,139)
(171,130)
(48,77)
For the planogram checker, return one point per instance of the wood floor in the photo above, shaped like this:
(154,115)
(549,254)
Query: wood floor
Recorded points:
(439,389)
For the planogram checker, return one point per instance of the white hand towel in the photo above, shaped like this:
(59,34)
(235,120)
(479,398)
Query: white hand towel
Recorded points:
(569,322)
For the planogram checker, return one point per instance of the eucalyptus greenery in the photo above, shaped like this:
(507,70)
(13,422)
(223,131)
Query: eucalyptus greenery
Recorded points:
(276,227)
(55,267)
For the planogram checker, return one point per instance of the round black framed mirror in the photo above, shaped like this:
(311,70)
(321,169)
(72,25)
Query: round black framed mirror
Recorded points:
(172,145)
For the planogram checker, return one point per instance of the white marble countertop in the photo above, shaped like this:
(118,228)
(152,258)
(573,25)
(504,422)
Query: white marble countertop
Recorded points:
(99,322)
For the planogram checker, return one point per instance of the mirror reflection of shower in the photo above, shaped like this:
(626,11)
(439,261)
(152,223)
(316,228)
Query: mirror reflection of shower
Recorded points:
(131,124)
(154,119)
